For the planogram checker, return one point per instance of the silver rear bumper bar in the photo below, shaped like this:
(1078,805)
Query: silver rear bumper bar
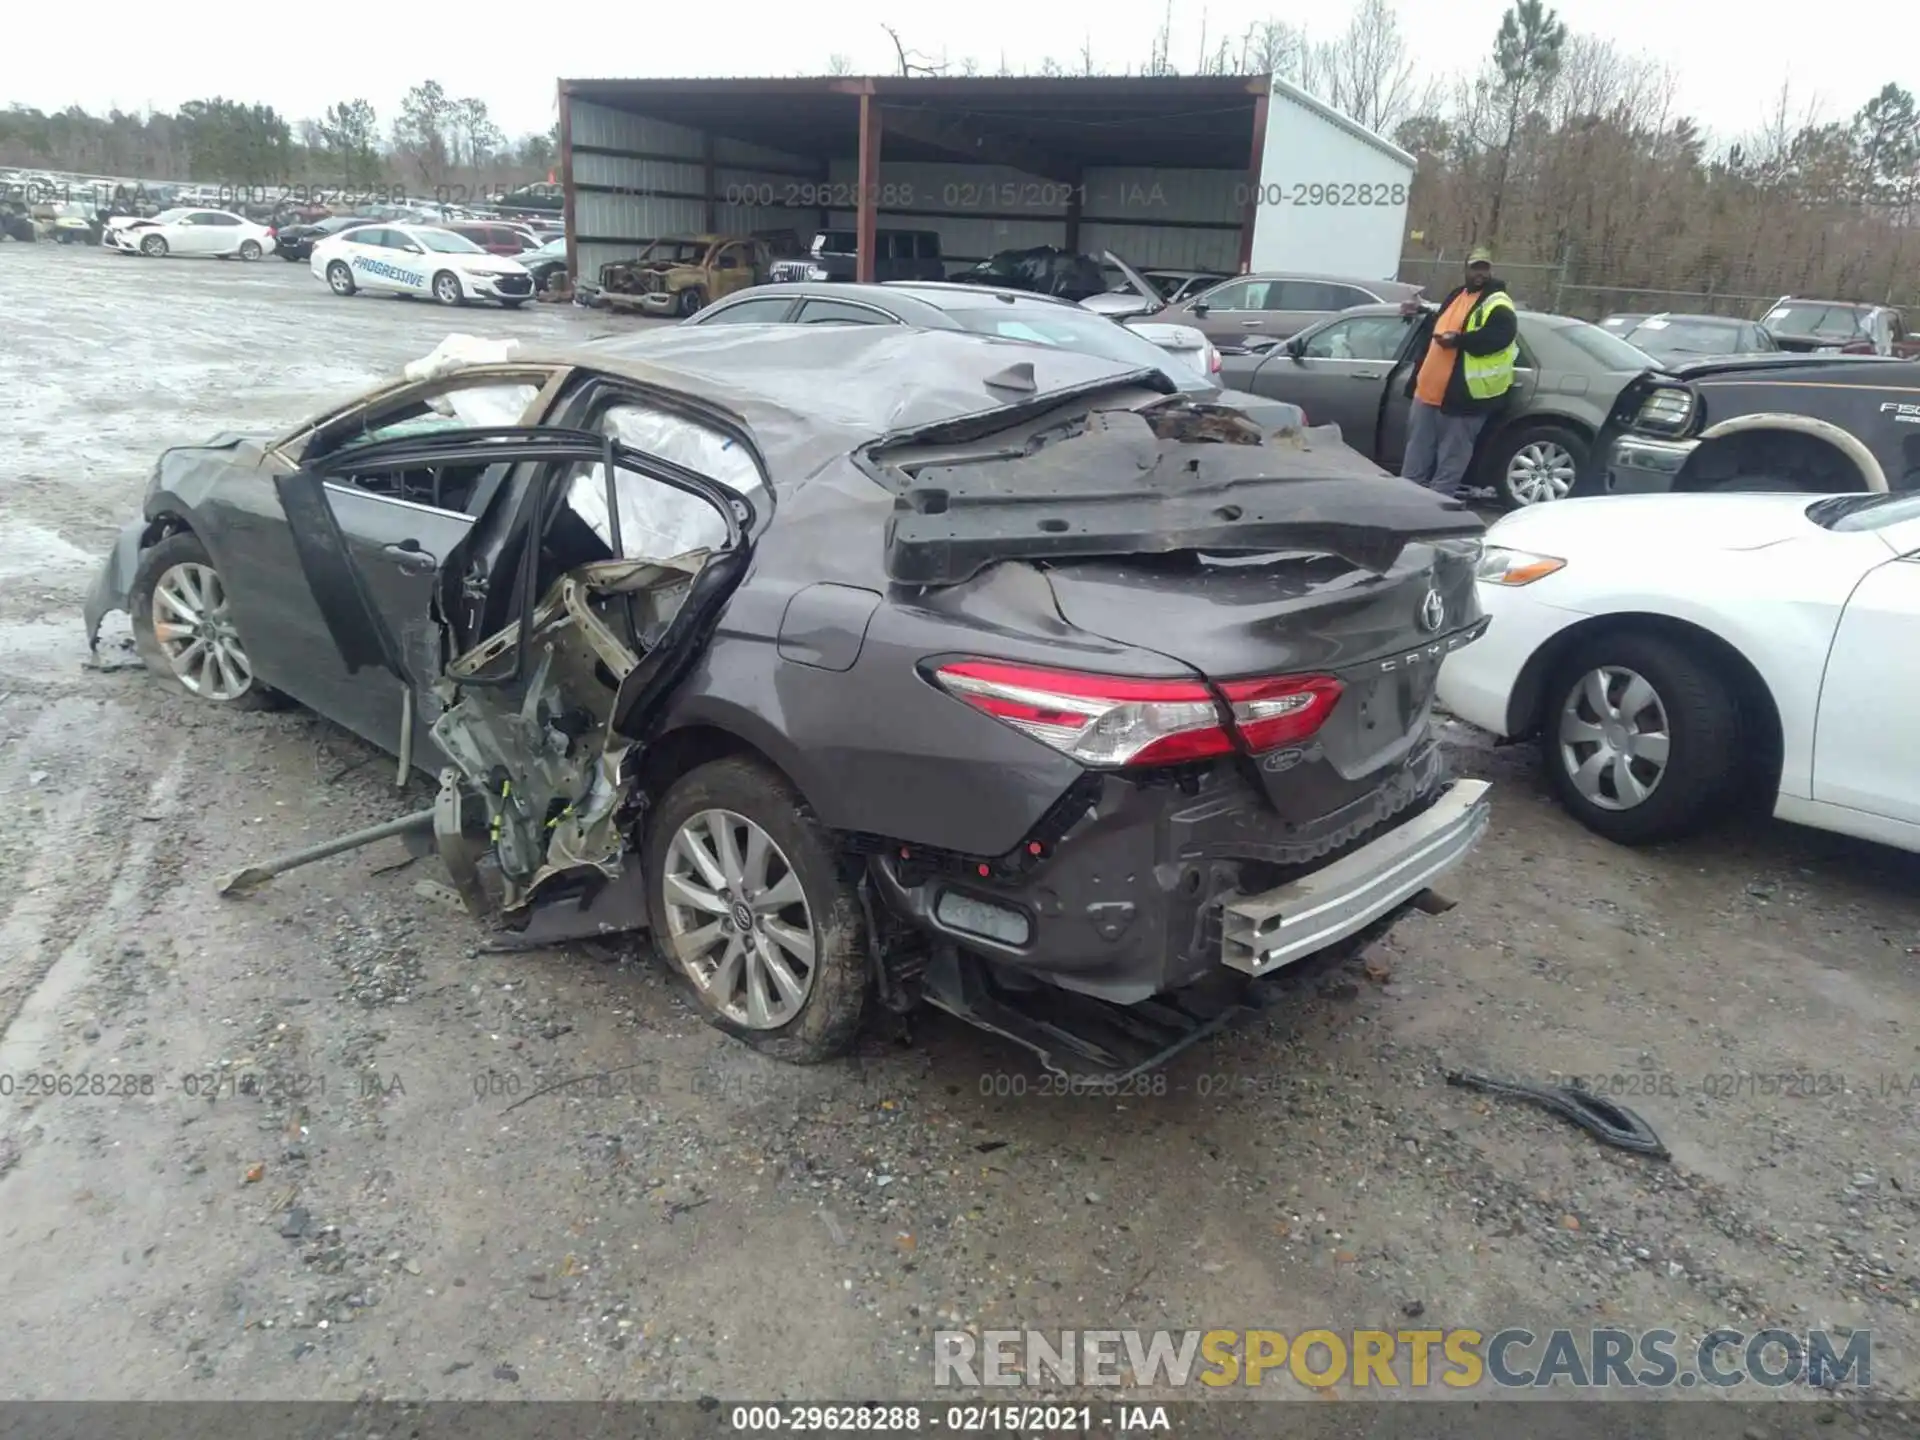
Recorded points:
(1262,932)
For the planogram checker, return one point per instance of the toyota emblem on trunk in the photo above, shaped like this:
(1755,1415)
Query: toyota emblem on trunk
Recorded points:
(1433,612)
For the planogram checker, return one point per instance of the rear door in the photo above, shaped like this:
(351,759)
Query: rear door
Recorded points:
(222,233)
(195,235)
(1228,314)
(545,503)
(369,255)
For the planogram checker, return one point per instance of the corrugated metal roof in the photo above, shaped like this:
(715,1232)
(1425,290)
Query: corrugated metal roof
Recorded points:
(1198,121)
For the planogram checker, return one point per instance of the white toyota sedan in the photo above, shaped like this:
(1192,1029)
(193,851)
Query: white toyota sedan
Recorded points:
(419,260)
(1675,653)
(187,231)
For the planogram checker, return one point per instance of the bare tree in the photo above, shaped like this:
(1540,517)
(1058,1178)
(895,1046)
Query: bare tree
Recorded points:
(1087,66)
(1366,73)
(838,64)
(1161,60)
(1272,47)
(912,62)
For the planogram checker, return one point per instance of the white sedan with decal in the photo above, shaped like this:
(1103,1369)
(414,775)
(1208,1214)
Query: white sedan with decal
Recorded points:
(419,260)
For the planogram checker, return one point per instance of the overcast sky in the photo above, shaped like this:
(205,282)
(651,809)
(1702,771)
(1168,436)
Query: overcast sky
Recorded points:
(1730,57)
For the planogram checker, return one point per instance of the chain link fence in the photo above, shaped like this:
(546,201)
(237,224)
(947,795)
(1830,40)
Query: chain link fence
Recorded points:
(1544,285)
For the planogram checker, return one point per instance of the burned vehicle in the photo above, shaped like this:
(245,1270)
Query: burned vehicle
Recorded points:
(857,664)
(679,274)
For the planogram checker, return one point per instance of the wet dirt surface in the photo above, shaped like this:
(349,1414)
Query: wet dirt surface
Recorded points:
(308,1159)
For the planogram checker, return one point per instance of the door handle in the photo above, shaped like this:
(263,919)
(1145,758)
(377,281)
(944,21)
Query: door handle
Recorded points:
(409,555)
(1368,374)
(1251,324)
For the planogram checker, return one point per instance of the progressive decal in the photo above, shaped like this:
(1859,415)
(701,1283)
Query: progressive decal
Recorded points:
(392,272)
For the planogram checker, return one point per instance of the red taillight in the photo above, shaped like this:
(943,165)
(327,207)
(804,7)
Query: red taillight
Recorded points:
(272,233)
(1213,360)
(1272,713)
(1107,720)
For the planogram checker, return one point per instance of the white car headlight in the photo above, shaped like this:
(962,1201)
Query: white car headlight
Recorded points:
(1500,566)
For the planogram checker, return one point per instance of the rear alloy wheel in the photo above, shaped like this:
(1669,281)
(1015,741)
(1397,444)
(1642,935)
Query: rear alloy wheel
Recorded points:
(1641,739)
(153,246)
(183,629)
(340,278)
(1536,464)
(446,288)
(250,250)
(749,903)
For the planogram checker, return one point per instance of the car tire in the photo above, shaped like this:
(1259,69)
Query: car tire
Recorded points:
(340,278)
(250,250)
(1651,687)
(691,300)
(446,289)
(178,571)
(288,256)
(153,246)
(740,796)
(1534,462)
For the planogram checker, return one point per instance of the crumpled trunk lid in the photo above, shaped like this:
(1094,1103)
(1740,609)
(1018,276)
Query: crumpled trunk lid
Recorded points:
(1382,634)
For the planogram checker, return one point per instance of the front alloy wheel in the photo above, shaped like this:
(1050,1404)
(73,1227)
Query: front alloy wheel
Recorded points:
(196,634)
(738,920)
(1541,470)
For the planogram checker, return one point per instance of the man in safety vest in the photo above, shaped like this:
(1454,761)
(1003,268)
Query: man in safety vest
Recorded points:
(1462,375)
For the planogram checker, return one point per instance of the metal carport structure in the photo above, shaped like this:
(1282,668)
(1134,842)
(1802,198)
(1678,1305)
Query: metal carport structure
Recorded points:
(1163,169)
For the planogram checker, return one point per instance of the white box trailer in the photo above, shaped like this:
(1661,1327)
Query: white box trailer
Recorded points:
(1332,198)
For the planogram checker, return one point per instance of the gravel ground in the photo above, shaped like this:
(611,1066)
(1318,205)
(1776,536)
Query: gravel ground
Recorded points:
(362,1195)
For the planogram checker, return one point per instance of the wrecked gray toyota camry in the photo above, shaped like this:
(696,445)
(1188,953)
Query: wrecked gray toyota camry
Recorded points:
(858,665)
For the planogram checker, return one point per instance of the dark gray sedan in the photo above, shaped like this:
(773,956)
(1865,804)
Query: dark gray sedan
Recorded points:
(1353,371)
(855,662)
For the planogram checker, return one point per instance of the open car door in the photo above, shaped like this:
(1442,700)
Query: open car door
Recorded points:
(589,581)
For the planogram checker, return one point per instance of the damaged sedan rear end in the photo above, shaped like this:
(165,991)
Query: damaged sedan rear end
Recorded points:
(861,665)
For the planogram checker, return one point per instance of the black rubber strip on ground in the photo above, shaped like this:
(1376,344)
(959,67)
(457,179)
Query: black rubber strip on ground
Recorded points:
(1607,1122)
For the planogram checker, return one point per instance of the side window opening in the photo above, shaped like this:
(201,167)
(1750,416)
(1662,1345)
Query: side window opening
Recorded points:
(457,407)
(442,487)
